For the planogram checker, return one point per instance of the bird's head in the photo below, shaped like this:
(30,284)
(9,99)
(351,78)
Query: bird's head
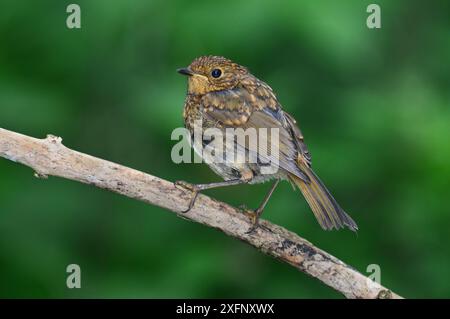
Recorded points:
(212,73)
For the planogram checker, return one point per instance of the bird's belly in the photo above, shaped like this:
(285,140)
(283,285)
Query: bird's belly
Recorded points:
(236,167)
(230,171)
(222,168)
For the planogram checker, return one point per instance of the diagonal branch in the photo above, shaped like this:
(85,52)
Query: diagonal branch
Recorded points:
(50,157)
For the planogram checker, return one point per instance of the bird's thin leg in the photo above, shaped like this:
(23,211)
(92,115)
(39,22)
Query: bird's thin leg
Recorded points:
(196,188)
(258,212)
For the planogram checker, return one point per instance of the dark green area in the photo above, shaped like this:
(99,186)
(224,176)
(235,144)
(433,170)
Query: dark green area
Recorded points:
(374,106)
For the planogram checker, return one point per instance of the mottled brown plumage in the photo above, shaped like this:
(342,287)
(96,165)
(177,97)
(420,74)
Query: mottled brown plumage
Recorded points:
(223,94)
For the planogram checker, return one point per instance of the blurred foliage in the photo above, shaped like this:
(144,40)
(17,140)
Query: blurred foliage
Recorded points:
(374,106)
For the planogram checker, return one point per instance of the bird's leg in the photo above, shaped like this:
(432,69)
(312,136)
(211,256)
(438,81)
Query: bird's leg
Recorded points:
(255,214)
(196,188)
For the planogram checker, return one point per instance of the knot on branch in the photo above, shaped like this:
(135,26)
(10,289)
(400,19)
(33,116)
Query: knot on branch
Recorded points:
(384,294)
(54,139)
(40,175)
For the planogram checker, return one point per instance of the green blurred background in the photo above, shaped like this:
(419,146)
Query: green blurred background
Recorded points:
(374,106)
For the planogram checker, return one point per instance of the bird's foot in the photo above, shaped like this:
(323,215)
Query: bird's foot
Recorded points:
(253,215)
(191,187)
(186,185)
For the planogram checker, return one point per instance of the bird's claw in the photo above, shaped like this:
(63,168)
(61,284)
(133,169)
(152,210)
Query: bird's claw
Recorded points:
(244,209)
(193,189)
(253,215)
(185,185)
(250,213)
(254,218)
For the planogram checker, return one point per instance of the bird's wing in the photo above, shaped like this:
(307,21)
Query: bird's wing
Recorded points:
(298,138)
(238,108)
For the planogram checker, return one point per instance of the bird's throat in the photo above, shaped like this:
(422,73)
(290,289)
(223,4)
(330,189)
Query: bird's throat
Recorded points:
(198,84)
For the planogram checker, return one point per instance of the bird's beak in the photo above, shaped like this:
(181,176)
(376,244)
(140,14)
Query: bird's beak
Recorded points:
(185,71)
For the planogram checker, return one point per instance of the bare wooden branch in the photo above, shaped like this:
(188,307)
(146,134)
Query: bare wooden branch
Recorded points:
(50,157)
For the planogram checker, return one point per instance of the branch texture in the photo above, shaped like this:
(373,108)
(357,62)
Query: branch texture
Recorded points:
(50,157)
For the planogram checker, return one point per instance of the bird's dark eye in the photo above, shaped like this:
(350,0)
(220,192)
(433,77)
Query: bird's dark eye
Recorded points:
(216,73)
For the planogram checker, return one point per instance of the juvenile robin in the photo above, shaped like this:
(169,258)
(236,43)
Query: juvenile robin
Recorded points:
(222,94)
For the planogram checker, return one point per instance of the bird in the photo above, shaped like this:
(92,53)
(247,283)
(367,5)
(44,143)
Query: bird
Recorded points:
(223,95)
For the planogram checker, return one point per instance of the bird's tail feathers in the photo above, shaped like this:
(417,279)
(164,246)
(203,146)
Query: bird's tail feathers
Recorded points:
(325,208)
